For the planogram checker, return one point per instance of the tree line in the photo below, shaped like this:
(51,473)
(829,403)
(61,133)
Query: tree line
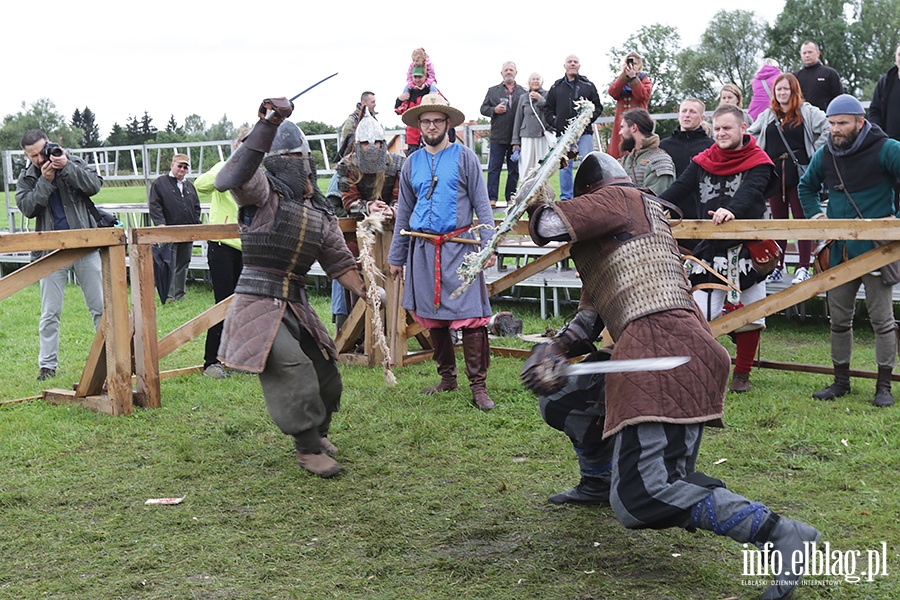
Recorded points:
(856,37)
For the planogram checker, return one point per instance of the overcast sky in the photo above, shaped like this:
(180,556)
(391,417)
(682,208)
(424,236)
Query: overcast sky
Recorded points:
(221,58)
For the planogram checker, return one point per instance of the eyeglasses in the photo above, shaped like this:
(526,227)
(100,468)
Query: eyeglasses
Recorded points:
(426,123)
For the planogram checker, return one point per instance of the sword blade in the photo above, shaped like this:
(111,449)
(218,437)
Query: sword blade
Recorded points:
(312,86)
(627,366)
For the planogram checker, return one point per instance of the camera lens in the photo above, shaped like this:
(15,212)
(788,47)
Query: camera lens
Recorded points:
(56,151)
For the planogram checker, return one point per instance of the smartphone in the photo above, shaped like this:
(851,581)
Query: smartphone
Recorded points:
(630,61)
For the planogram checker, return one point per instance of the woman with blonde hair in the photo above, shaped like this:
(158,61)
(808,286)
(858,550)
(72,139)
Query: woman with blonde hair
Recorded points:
(790,131)
(731,94)
(529,126)
(631,89)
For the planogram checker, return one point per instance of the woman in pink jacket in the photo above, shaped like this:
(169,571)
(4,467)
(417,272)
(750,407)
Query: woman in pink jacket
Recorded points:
(631,89)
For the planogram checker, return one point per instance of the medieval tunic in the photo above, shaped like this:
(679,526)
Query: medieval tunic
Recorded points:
(253,321)
(599,223)
(459,193)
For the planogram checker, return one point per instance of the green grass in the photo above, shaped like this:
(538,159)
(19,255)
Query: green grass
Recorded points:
(438,499)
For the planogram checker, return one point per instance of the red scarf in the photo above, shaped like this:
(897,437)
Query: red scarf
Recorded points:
(716,161)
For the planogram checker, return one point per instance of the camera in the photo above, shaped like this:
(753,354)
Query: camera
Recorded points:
(50,150)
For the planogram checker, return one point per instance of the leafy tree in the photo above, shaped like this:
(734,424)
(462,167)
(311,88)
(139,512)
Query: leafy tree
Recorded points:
(822,21)
(223,130)
(730,51)
(194,124)
(873,37)
(659,45)
(42,115)
(317,128)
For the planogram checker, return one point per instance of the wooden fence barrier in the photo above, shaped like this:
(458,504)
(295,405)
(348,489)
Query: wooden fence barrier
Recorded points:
(110,359)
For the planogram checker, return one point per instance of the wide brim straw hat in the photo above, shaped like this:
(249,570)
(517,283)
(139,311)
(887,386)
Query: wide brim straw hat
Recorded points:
(433,103)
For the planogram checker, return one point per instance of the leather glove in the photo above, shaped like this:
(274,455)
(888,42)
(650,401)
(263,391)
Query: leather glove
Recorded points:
(544,372)
(275,110)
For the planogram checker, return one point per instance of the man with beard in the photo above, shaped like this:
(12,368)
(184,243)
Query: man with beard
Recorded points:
(441,187)
(499,106)
(860,164)
(270,328)
(635,285)
(729,180)
(368,179)
(647,165)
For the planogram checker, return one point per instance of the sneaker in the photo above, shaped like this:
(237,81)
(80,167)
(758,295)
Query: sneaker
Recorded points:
(215,371)
(775,276)
(800,275)
(46,374)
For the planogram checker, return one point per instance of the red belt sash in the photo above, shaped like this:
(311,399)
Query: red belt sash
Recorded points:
(437,241)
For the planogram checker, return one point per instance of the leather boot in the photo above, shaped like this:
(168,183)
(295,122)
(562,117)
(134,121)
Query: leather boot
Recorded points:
(840,387)
(476,351)
(740,382)
(883,395)
(319,464)
(789,538)
(590,490)
(445,357)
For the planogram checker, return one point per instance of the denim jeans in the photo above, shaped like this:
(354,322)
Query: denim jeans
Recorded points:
(567,176)
(499,153)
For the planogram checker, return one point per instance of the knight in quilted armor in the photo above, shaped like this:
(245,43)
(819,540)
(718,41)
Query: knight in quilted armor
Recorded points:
(633,282)
(270,327)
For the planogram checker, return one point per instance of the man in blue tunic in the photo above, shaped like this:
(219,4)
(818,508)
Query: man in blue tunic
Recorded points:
(441,187)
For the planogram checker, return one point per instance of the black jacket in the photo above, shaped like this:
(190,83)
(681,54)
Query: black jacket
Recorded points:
(561,99)
(682,146)
(884,110)
(169,206)
(820,84)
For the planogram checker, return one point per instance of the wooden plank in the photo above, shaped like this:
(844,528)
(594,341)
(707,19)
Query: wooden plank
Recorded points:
(34,272)
(62,240)
(182,233)
(511,352)
(101,404)
(94,373)
(801,229)
(532,268)
(118,329)
(822,370)
(146,348)
(821,282)
(170,373)
(352,329)
(181,335)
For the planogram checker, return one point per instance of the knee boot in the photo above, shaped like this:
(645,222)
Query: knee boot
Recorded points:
(476,351)
(725,513)
(841,385)
(445,357)
(883,396)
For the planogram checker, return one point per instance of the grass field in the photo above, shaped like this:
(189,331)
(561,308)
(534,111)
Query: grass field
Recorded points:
(438,500)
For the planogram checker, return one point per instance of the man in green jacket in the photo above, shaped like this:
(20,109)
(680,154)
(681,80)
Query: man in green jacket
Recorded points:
(859,165)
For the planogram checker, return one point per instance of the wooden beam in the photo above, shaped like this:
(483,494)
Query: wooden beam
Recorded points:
(34,272)
(815,285)
(94,373)
(352,329)
(182,233)
(800,229)
(181,335)
(146,345)
(532,268)
(102,404)
(62,240)
(118,330)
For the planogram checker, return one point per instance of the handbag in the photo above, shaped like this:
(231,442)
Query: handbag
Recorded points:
(890,273)
(765,254)
(548,135)
(103,218)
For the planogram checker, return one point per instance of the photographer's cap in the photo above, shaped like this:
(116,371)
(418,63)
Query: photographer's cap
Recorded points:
(181,158)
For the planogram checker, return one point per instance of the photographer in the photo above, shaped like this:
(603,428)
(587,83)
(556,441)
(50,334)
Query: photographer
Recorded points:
(55,190)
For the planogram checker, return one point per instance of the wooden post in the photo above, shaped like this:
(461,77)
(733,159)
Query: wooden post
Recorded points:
(146,350)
